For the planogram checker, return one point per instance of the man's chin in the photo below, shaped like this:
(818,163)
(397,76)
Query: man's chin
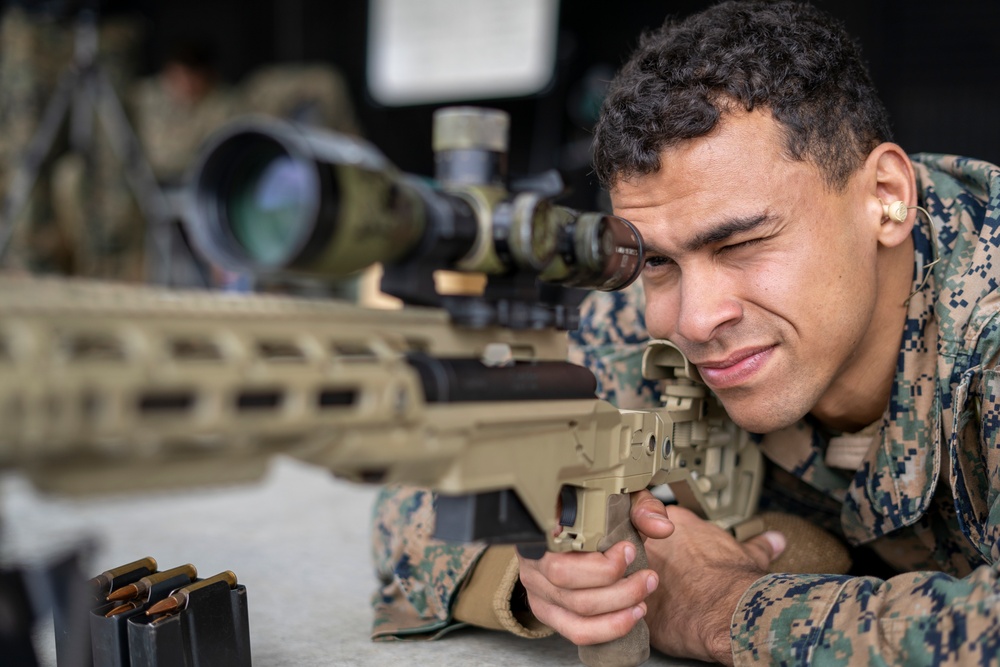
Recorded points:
(754,417)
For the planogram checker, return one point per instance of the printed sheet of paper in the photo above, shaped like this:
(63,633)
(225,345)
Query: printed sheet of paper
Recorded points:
(429,51)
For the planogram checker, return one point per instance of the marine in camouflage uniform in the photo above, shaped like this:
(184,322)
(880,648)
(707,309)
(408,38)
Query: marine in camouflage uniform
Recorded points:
(924,495)
(177,109)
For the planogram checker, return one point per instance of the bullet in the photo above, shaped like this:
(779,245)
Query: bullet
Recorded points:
(104,581)
(142,586)
(178,599)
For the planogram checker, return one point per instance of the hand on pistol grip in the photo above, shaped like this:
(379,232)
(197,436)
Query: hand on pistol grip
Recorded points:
(585,596)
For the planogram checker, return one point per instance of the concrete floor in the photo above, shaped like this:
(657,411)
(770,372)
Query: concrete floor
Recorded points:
(298,540)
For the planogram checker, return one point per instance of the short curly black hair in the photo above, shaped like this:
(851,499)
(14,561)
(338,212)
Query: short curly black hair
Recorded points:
(789,58)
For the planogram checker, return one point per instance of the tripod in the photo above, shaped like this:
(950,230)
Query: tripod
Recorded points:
(84,91)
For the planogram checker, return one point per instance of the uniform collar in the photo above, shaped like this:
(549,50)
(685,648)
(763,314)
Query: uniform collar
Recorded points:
(896,480)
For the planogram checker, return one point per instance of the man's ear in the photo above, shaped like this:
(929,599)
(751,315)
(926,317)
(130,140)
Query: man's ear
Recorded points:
(890,180)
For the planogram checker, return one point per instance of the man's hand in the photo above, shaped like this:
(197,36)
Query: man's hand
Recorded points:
(583,596)
(703,571)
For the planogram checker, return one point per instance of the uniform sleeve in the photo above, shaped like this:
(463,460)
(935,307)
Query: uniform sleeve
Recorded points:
(918,618)
(429,587)
(610,341)
(915,618)
(419,576)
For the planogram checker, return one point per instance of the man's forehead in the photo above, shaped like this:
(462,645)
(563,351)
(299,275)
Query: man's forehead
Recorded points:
(745,155)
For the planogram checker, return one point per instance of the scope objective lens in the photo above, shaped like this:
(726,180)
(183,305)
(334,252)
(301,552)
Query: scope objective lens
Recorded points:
(265,204)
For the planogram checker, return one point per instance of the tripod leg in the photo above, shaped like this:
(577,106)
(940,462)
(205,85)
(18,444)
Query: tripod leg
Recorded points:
(26,172)
(138,172)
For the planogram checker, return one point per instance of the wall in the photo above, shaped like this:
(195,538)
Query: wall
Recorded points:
(934,62)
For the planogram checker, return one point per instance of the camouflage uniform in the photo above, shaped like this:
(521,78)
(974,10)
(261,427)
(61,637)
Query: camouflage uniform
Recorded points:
(309,93)
(172,131)
(33,52)
(925,497)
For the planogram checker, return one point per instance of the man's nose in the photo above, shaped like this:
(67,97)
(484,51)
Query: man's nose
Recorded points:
(708,304)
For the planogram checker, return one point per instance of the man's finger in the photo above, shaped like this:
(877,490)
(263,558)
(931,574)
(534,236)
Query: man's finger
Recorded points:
(582,630)
(649,516)
(581,570)
(590,602)
(766,547)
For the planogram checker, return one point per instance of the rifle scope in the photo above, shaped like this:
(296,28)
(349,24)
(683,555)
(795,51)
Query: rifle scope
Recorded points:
(272,197)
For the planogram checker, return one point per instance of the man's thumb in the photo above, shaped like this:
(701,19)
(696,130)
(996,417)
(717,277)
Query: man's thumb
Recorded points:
(766,547)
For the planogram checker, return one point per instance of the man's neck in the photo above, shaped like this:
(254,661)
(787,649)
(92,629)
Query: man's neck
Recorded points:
(861,393)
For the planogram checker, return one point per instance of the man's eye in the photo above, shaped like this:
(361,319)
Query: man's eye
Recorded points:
(742,244)
(658,262)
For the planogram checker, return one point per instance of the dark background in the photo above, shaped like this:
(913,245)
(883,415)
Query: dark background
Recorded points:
(935,62)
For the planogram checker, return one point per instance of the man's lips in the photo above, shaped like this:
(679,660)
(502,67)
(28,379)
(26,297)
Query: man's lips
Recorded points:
(736,368)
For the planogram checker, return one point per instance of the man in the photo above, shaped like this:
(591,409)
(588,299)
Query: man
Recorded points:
(178,108)
(790,260)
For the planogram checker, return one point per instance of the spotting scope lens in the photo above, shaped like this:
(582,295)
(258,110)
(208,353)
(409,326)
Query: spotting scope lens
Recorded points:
(265,204)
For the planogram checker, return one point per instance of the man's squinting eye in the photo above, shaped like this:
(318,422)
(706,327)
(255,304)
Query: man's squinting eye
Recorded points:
(742,244)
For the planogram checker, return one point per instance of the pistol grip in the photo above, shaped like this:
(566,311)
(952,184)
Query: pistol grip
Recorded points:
(633,648)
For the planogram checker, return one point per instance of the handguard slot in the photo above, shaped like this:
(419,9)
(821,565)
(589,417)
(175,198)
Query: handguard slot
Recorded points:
(93,347)
(252,401)
(353,352)
(194,350)
(166,402)
(336,398)
(277,351)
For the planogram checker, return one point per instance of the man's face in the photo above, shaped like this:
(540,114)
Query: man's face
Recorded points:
(764,277)
(187,84)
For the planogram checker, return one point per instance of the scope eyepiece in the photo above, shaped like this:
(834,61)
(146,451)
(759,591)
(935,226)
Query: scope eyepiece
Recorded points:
(602,252)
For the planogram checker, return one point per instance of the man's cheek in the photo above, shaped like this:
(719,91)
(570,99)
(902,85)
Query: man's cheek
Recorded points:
(661,317)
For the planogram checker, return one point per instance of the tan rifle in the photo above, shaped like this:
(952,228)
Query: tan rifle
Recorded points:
(111,387)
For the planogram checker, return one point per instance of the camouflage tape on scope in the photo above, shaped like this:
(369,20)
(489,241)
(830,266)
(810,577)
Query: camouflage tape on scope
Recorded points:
(378,221)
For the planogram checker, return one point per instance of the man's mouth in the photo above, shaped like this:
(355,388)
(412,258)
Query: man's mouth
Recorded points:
(735,369)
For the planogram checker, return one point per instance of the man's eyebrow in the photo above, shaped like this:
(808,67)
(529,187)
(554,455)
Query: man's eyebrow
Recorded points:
(726,228)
